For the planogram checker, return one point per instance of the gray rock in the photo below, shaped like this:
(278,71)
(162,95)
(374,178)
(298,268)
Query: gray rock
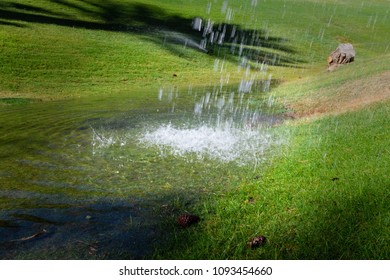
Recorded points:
(345,53)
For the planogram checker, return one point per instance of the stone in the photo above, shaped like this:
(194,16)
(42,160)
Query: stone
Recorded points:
(345,53)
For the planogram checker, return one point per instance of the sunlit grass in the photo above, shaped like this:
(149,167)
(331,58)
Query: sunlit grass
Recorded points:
(324,197)
(55,62)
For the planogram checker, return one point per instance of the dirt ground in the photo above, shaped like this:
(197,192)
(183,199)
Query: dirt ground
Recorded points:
(349,97)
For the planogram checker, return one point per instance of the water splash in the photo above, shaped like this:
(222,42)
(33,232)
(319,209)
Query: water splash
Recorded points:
(102,140)
(223,127)
(205,142)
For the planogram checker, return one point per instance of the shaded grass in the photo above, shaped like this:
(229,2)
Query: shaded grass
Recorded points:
(15,101)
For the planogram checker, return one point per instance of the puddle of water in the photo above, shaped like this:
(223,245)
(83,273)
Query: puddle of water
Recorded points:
(105,178)
(222,126)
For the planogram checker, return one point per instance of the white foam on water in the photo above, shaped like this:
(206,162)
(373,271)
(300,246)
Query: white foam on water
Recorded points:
(222,127)
(223,144)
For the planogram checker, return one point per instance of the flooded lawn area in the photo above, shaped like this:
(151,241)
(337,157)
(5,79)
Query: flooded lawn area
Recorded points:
(107,177)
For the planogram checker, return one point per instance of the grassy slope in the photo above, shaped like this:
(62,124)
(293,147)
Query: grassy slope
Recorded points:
(295,203)
(85,63)
(51,61)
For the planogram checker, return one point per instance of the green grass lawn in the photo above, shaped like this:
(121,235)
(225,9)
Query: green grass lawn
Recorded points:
(61,49)
(324,195)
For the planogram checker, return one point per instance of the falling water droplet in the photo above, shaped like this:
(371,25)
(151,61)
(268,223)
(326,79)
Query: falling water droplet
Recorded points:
(197,24)
(369,22)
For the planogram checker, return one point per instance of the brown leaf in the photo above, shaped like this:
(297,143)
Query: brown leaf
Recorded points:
(256,242)
(186,220)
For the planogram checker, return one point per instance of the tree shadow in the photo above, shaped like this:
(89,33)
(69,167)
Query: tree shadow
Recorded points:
(232,42)
(128,228)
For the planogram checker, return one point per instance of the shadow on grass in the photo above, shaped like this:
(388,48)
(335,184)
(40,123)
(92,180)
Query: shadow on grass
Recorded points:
(15,101)
(217,39)
(349,227)
(85,230)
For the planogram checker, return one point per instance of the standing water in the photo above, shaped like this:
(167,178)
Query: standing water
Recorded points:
(103,178)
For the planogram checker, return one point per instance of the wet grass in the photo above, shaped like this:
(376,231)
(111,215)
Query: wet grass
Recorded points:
(324,197)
